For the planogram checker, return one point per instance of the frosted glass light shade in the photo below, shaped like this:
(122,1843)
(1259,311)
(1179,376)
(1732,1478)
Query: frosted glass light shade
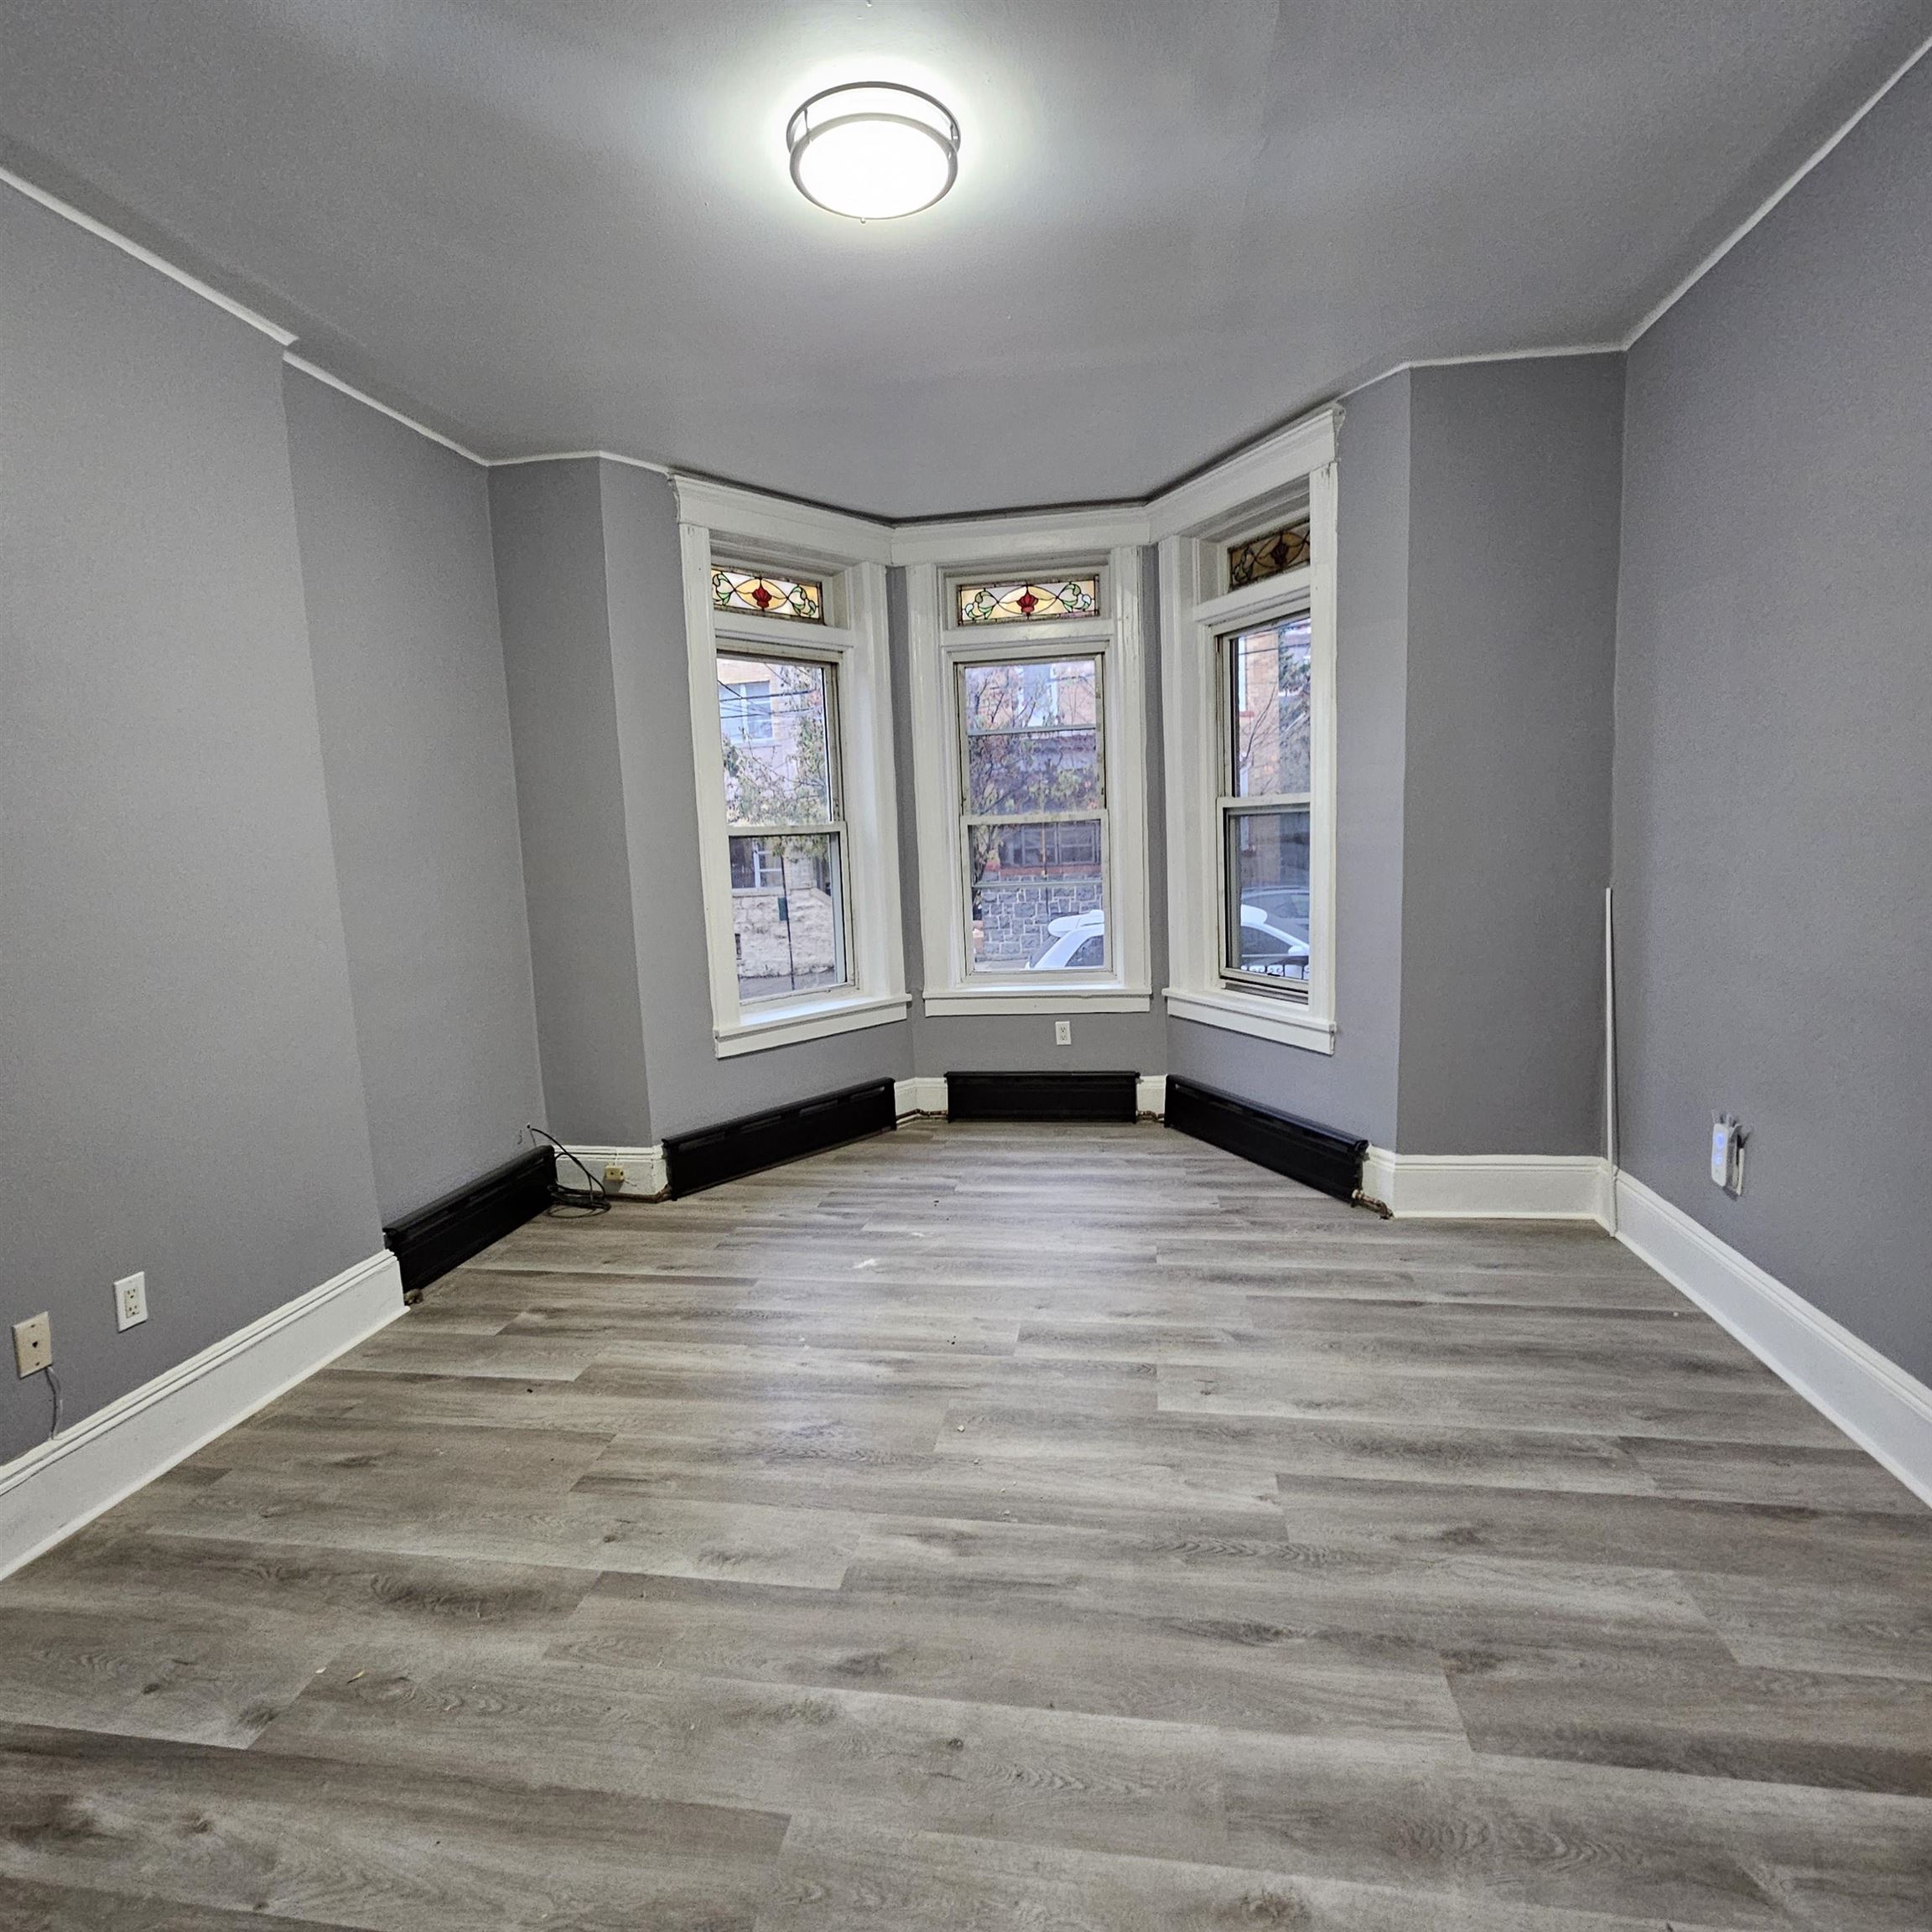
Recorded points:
(873,151)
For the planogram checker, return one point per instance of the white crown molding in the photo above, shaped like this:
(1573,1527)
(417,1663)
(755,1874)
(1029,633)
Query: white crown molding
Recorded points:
(646,1177)
(1248,475)
(1556,353)
(1777,196)
(964,543)
(727,511)
(1123,524)
(1489,1186)
(65,1483)
(68,212)
(369,402)
(1886,1411)
(574,456)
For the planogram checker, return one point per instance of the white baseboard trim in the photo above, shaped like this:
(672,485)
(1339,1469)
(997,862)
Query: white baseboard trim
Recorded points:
(60,1485)
(924,1094)
(1151,1096)
(1490,1187)
(646,1177)
(1886,1411)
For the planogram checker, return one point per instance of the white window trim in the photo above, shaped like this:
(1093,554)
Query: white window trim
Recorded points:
(1196,613)
(854,552)
(936,647)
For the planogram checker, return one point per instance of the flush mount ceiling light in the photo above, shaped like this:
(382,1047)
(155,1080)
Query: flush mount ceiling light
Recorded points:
(873,150)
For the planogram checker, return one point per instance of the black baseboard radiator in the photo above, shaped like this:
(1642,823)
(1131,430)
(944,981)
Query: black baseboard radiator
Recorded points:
(1315,1155)
(702,1160)
(444,1235)
(1041,1097)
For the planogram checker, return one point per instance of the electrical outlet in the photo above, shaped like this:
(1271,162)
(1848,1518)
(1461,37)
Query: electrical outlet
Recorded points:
(613,1175)
(33,1344)
(131,1300)
(1063,1032)
(1727,1139)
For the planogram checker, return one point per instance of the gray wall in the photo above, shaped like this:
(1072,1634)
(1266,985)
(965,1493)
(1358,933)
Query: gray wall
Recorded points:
(1514,478)
(591,591)
(1476,594)
(1773,811)
(548,523)
(1354,1088)
(690,1087)
(1110,1042)
(184,1095)
(402,604)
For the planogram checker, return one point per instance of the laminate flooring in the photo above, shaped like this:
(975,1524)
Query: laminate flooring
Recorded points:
(984,1526)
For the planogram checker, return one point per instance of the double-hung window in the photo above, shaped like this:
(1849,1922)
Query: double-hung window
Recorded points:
(783,801)
(1263,808)
(1248,679)
(1034,792)
(791,721)
(1027,756)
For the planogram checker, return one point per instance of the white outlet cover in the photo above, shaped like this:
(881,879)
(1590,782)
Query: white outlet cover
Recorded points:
(33,1344)
(131,1300)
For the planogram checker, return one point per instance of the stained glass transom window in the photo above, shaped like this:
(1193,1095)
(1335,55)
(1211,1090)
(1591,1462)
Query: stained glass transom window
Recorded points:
(768,596)
(1269,554)
(1027,603)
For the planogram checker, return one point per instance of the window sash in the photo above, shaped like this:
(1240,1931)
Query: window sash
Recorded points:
(1230,804)
(830,825)
(1100,811)
(745,651)
(1230,812)
(962,749)
(836,890)
(1102,864)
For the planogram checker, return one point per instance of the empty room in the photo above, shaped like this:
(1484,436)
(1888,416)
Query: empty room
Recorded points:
(966,965)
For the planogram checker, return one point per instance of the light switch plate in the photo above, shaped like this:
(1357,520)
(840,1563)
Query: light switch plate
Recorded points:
(130,1300)
(33,1344)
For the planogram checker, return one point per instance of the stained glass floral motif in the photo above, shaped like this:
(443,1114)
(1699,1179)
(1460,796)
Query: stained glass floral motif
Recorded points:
(1269,554)
(1025,603)
(766,596)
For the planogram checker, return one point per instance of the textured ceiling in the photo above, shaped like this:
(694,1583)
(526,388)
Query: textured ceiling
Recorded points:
(567,224)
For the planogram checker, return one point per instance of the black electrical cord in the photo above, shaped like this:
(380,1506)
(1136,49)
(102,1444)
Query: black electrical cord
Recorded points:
(53,1383)
(595,1199)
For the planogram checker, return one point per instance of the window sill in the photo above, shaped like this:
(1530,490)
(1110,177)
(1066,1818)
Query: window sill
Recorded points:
(957,1001)
(1256,1014)
(788,1022)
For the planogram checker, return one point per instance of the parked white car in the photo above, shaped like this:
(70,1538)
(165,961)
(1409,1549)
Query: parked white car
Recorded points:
(1080,942)
(1270,949)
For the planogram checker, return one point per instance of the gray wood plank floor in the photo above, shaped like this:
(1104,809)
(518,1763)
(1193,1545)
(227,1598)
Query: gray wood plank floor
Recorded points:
(994,1526)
